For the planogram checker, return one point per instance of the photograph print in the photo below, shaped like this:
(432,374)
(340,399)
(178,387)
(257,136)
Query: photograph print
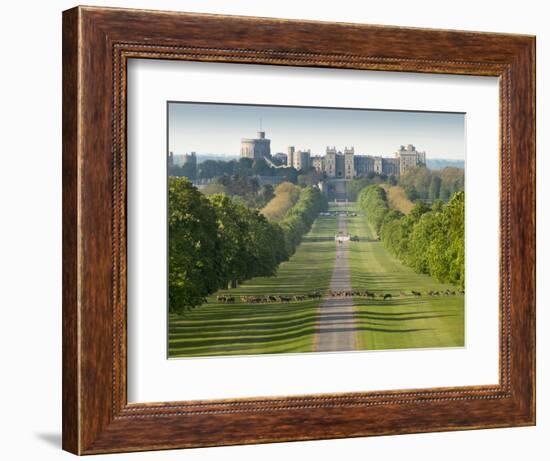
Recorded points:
(313,229)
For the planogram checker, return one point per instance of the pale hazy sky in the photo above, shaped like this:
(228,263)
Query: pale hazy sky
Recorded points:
(218,129)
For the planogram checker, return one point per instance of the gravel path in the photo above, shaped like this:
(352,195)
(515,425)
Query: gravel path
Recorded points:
(336,329)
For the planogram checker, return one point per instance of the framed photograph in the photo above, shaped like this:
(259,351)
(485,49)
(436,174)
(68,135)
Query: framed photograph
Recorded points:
(281,230)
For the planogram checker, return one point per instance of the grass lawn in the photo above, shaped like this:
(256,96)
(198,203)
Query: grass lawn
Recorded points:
(403,321)
(241,328)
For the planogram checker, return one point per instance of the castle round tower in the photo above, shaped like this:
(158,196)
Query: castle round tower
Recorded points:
(256,148)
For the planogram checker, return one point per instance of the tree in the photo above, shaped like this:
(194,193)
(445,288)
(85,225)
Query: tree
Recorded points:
(435,187)
(214,188)
(233,227)
(210,169)
(446,252)
(266,245)
(416,181)
(193,246)
(355,186)
(243,167)
(444,193)
(266,194)
(422,183)
(437,205)
(218,239)
(430,241)
(244,187)
(420,241)
(251,246)
(298,219)
(398,235)
(374,202)
(411,193)
(452,179)
(286,196)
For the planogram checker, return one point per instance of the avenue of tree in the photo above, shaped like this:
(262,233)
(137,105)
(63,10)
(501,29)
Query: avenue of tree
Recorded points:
(216,240)
(234,230)
(430,240)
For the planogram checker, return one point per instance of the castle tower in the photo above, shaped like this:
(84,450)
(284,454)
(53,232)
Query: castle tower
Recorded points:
(330,162)
(302,160)
(409,157)
(256,148)
(349,165)
(290,156)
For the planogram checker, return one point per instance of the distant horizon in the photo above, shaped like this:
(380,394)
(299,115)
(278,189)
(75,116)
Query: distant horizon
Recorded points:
(216,129)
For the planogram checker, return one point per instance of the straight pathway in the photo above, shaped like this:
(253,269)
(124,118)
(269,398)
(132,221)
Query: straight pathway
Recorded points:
(336,328)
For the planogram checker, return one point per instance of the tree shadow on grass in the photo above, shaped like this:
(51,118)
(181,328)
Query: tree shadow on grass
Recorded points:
(245,325)
(399,319)
(251,338)
(380,330)
(245,329)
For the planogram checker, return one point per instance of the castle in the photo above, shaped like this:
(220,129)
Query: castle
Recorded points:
(256,148)
(335,164)
(181,160)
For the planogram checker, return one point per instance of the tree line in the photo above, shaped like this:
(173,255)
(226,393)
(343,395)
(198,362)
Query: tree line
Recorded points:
(210,169)
(425,184)
(430,240)
(285,197)
(244,189)
(215,241)
(355,186)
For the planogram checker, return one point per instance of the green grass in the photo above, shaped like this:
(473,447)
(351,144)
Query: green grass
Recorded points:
(403,321)
(243,329)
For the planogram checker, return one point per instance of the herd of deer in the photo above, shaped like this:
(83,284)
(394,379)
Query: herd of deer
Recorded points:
(226,299)
(251,299)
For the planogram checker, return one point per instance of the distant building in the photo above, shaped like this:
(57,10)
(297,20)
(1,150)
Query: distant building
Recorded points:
(302,160)
(334,164)
(290,156)
(318,162)
(190,159)
(256,148)
(183,165)
(364,164)
(281,157)
(181,160)
(347,165)
(409,157)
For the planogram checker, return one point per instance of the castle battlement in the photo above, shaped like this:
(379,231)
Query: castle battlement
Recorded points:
(335,163)
(348,165)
